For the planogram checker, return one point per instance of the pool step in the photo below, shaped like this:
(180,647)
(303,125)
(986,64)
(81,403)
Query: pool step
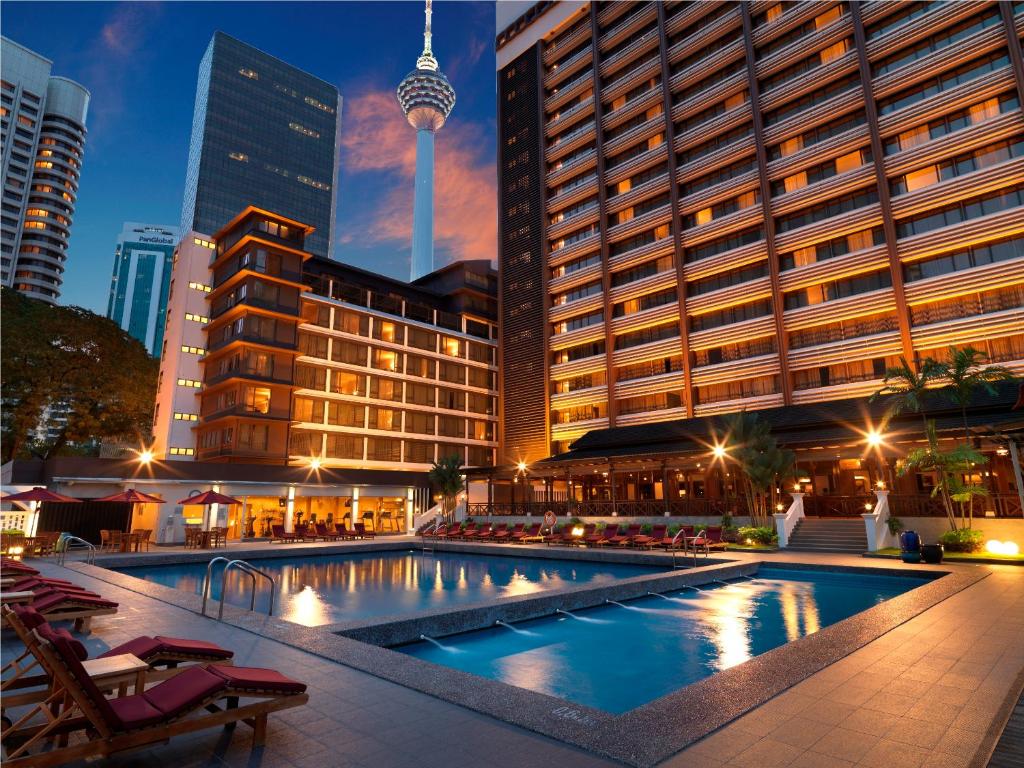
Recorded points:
(828,535)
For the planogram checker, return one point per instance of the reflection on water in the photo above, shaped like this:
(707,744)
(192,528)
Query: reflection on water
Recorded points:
(617,657)
(325,589)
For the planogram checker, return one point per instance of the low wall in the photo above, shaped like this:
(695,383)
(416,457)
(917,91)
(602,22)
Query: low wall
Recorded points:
(621,520)
(1001,528)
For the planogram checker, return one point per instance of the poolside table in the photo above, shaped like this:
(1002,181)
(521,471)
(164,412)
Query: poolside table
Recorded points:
(16,597)
(120,671)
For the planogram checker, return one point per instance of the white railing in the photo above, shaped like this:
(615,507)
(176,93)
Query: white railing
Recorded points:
(786,521)
(876,524)
(435,512)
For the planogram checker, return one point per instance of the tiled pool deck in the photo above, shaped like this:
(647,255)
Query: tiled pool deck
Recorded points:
(932,691)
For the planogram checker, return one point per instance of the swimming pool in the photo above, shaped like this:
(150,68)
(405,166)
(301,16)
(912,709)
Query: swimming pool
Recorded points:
(327,589)
(620,656)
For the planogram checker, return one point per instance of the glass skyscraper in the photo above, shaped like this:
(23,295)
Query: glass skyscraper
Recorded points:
(140,281)
(264,134)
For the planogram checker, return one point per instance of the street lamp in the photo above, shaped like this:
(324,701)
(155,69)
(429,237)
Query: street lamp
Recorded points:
(874,438)
(314,463)
(145,456)
(718,451)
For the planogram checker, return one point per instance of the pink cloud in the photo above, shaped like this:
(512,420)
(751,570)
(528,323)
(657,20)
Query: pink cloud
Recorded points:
(377,139)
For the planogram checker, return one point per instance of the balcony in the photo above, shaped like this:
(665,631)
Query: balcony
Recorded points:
(247,372)
(253,338)
(272,305)
(281,274)
(276,414)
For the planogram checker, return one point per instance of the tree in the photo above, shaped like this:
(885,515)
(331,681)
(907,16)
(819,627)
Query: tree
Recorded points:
(76,360)
(949,468)
(446,477)
(762,463)
(906,387)
(966,374)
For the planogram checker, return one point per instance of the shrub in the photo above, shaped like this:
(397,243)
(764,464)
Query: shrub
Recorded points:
(646,529)
(726,522)
(895,526)
(963,540)
(761,535)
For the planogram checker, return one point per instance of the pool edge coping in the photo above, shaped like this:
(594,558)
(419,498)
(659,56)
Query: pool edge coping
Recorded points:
(641,737)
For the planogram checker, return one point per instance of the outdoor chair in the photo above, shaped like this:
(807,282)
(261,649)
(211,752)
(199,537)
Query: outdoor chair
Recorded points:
(363,532)
(611,531)
(196,699)
(67,604)
(143,535)
(492,532)
(476,533)
(325,534)
(528,535)
(506,534)
(654,539)
(278,533)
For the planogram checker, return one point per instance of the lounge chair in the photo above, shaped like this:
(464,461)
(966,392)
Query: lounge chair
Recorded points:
(508,533)
(435,532)
(278,533)
(79,607)
(344,532)
(196,699)
(158,652)
(325,534)
(10,565)
(593,536)
(528,535)
(469,529)
(678,541)
(713,537)
(491,532)
(623,539)
(363,533)
(305,532)
(654,539)
(476,533)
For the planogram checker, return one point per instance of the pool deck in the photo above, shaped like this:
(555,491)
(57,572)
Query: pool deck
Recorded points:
(934,690)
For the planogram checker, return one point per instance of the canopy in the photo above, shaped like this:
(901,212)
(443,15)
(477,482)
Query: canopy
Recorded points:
(131,496)
(40,494)
(209,497)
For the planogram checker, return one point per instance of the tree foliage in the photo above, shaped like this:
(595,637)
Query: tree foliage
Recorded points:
(446,478)
(68,356)
(965,374)
(907,386)
(762,463)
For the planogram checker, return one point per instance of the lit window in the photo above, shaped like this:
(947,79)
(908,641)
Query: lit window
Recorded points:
(313,183)
(239,156)
(313,102)
(828,16)
(249,73)
(791,146)
(193,350)
(186,417)
(204,243)
(189,383)
(200,287)
(299,128)
(922,178)
(987,109)
(703,216)
(834,51)
(181,451)
(774,12)
(848,162)
(196,318)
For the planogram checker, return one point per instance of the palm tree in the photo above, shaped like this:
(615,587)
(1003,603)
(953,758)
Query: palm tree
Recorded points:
(761,461)
(949,467)
(966,374)
(907,386)
(446,477)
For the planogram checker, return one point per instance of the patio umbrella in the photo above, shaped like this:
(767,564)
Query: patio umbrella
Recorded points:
(133,497)
(208,499)
(35,496)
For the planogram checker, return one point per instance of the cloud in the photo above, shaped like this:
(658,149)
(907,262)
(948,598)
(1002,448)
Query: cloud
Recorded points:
(377,141)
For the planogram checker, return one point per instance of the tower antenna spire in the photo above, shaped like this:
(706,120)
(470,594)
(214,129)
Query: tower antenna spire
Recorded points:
(426,59)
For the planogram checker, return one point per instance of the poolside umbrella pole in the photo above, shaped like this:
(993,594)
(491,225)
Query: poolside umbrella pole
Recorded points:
(208,499)
(133,497)
(33,498)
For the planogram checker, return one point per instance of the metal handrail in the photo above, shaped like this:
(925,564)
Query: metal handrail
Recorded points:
(68,541)
(245,567)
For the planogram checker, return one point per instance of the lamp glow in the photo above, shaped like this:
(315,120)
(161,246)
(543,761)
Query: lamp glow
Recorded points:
(874,438)
(145,456)
(718,451)
(314,463)
(521,466)
(996,547)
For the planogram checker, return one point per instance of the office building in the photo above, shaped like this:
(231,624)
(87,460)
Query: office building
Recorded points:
(263,133)
(275,356)
(141,277)
(426,98)
(707,207)
(42,121)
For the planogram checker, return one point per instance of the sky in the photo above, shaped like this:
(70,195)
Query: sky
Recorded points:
(140,62)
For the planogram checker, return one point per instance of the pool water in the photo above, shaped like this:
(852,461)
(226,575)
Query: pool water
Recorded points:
(618,657)
(329,589)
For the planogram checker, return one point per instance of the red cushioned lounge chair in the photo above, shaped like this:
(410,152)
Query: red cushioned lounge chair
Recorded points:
(624,539)
(196,699)
(345,532)
(611,530)
(10,567)
(363,532)
(493,531)
(80,607)
(468,530)
(527,535)
(476,533)
(655,538)
(435,532)
(278,533)
(162,654)
(324,533)
(508,533)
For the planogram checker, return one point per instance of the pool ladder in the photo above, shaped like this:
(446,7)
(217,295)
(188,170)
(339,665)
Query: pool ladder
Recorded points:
(244,567)
(68,543)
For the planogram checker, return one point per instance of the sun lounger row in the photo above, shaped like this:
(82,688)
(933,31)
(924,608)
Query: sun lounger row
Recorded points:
(55,599)
(688,536)
(319,532)
(73,719)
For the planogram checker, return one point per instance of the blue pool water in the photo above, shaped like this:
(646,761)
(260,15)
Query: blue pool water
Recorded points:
(329,589)
(616,658)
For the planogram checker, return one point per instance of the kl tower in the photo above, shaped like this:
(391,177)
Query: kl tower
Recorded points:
(427,99)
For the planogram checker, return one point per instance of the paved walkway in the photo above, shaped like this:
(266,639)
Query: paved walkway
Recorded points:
(930,693)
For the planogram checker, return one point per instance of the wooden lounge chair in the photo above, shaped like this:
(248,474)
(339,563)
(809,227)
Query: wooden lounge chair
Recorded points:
(713,537)
(468,530)
(654,539)
(363,532)
(77,606)
(611,530)
(507,534)
(196,699)
(527,535)
(344,532)
(162,654)
(9,565)
(493,531)
(325,534)
(678,541)
(476,533)
(592,536)
(623,539)
(278,533)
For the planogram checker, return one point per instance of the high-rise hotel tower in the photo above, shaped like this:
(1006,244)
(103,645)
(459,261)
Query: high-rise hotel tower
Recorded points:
(714,206)
(426,98)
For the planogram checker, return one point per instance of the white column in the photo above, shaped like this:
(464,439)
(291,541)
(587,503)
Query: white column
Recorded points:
(409,512)
(289,510)
(355,507)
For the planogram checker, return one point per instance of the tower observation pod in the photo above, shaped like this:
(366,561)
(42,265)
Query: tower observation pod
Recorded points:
(426,98)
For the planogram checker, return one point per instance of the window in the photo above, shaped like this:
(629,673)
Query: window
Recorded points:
(419,394)
(308,410)
(647,368)
(943,82)
(838,289)
(578,352)
(976,256)
(867,325)
(419,422)
(826,210)
(965,210)
(727,279)
(641,271)
(659,402)
(580,413)
(575,323)
(562,386)
(734,314)
(740,350)
(186,416)
(724,208)
(257,399)
(977,160)
(389,419)
(936,42)
(342,446)
(949,123)
(843,373)
(193,350)
(346,383)
(754,386)
(647,335)
(821,171)
(386,359)
(830,249)
(192,383)
(651,300)
(812,99)
(723,244)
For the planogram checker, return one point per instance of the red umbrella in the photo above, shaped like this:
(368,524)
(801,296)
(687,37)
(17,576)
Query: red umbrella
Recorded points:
(131,496)
(40,494)
(207,498)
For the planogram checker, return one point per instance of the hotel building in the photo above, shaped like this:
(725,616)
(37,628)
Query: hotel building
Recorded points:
(42,121)
(274,356)
(706,206)
(140,280)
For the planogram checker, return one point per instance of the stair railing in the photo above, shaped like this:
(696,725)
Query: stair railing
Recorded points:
(786,521)
(245,567)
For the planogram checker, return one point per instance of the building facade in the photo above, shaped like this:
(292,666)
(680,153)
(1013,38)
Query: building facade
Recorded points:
(42,120)
(272,355)
(263,133)
(707,207)
(141,279)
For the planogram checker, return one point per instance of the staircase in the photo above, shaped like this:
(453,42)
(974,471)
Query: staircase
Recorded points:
(829,534)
